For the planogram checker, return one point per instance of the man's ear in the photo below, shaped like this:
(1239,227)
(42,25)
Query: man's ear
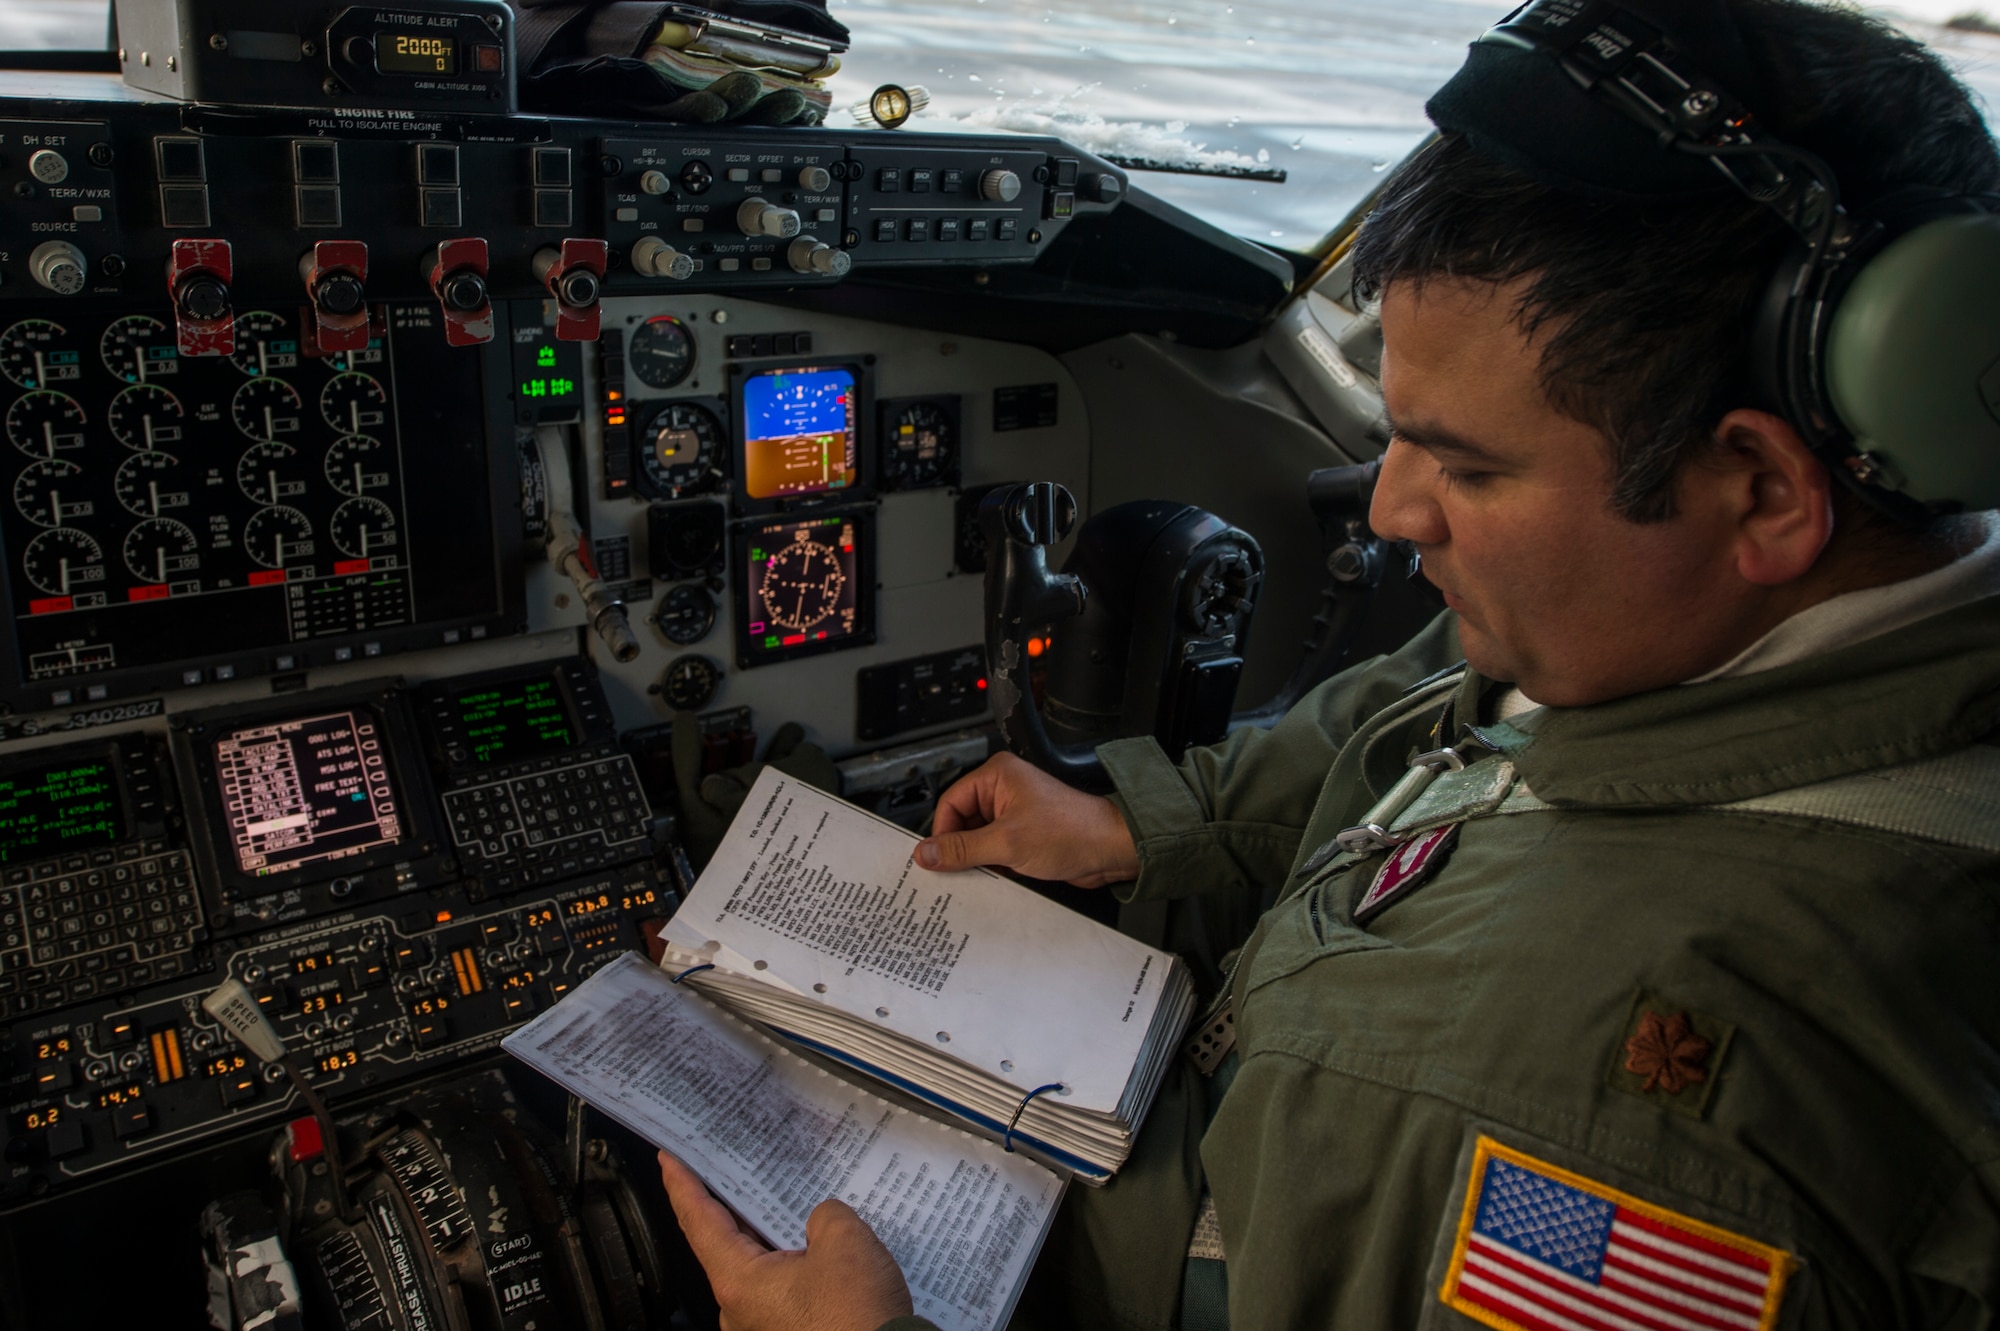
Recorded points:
(1783,497)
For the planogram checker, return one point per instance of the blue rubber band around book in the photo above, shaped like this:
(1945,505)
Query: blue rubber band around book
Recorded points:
(1015,1122)
(705,966)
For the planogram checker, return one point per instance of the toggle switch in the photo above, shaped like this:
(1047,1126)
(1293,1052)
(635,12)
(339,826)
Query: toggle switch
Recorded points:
(334,272)
(198,276)
(456,271)
(574,275)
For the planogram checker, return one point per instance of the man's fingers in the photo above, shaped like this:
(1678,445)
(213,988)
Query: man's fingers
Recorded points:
(712,1232)
(829,1216)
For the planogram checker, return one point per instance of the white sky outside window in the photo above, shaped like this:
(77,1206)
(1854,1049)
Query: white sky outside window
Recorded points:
(1329,91)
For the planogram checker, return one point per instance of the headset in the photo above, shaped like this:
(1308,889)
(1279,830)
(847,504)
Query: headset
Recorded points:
(1879,335)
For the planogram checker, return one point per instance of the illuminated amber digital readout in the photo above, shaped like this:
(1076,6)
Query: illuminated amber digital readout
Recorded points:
(222,1067)
(588,905)
(308,965)
(339,1062)
(56,1047)
(119,1095)
(402,53)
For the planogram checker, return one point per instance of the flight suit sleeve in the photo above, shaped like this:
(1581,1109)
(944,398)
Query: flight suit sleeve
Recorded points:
(1229,816)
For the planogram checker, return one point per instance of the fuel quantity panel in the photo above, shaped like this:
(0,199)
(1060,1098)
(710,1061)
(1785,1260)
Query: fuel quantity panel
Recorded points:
(362,1000)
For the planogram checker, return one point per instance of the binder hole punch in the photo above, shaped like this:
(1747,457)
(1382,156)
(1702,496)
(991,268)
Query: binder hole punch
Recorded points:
(1006,1065)
(705,966)
(944,1037)
(761,965)
(1014,1122)
(819,988)
(881,1012)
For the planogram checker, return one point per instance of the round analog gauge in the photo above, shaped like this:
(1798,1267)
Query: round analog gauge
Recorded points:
(661,352)
(63,561)
(686,614)
(271,473)
(802,585)
(682,443)
(265,343)
(34,354)
(279,536)
(158,549)
(139,347)
(362,528)
(353,402)
(39,492)
(266,408)
(690,682)
(145,416)
(44,423)
(920,448)
(356,464)
(149,484)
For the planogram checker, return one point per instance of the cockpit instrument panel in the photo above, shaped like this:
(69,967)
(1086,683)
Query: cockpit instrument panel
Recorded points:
(182,519)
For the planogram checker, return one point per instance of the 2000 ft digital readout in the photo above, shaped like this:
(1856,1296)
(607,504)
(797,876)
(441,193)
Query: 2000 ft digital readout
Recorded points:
(400,53)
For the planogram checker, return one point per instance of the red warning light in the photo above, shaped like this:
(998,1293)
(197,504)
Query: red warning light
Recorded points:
(982,683)
(1036,646)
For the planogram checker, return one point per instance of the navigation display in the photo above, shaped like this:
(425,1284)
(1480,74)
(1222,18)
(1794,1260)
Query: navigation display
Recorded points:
(799,431)
(306,790)
(56,806)
(807,587)
(503,723)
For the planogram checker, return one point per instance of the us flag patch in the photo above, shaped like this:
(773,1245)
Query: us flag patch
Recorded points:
(1542,1249)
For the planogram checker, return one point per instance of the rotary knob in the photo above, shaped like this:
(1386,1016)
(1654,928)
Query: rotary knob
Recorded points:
(653,257)
(655,182)
(815,179)
(59,266)
(1000,185)
(816,257)
(761,217)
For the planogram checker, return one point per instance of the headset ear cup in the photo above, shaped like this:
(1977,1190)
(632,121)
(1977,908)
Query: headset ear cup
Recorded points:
(1775,374)
(1913,361)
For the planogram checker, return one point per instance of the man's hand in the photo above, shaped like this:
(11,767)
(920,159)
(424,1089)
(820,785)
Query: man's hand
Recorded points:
(1013,814)
(845,1280)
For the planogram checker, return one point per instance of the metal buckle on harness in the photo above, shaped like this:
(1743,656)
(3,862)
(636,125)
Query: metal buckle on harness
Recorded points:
(1372,832)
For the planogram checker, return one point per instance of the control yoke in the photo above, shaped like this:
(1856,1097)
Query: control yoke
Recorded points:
(1020,523)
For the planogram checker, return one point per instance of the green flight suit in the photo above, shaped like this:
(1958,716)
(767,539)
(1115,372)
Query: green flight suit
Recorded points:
(1849,979)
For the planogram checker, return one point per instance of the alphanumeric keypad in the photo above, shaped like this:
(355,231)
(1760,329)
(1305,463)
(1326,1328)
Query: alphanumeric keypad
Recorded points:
(548,820)
(85,926)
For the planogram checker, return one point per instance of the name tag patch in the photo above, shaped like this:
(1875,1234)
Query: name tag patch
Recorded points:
(1408,868)
(1540,1248)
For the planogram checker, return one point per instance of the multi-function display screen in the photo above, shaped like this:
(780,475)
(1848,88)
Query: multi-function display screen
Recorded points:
(57,806)
(506,722)
(406,53)
(803,585)
(799,431)
(300,792)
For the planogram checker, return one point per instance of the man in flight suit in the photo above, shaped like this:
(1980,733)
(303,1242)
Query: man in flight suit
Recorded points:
(1676,1006)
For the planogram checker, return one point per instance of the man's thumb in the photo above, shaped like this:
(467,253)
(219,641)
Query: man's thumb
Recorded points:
(948,851)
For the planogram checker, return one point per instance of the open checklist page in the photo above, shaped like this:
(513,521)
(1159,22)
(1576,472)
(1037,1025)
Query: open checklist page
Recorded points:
(773,1136)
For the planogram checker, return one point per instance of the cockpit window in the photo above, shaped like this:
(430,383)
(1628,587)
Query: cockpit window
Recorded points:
(1330,92)
(1228,93)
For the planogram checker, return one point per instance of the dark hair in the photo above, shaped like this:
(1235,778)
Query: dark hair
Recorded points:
(1647,307)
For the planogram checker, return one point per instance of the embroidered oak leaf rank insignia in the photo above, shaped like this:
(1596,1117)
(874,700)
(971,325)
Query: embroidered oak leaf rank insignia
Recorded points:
(1669,1054)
